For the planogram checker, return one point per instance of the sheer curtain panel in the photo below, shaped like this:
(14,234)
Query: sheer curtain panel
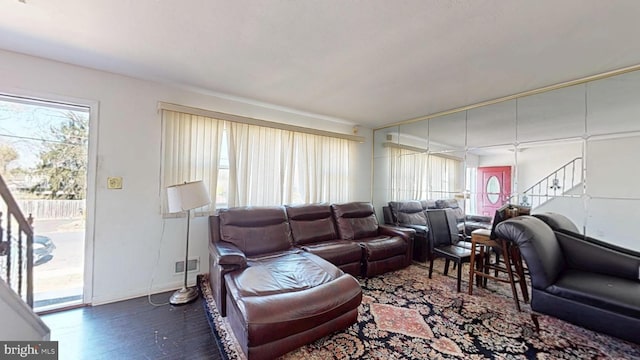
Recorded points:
(273,167)
(191,151)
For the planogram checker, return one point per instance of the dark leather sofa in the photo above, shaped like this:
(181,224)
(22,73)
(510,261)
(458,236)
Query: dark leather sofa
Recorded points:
(410,214)
(466,223)
(275,272)
(576,279)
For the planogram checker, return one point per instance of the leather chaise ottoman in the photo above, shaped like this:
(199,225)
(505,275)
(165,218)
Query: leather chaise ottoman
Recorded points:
(288,300)
(276,297)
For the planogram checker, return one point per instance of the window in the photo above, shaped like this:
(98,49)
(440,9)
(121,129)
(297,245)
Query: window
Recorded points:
(248,164)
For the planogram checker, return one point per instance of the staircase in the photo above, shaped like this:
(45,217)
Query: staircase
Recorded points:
(20,323)
(16,246)
(557,183)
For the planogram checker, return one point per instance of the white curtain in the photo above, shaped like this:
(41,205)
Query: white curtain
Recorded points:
(273,167)
(444,177)
(191,151)
(419,175)
(409,174)
(321,169)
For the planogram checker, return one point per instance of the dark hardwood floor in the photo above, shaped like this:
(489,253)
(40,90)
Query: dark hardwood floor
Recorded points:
(134,329)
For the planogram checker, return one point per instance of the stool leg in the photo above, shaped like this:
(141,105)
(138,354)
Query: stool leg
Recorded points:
(505,254)
(517,261)
(459,274)
(472,263)
(485,253)
(431,266)
(536,323)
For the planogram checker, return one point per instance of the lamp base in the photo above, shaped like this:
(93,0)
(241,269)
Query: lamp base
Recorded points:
(183,296)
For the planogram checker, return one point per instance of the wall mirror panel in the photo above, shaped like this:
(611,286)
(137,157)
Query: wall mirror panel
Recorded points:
(489,178)
(613,220)
(492,125)
(447,139)
(570,150)
(612,170)
(548,171)
(557,114)
(613,104)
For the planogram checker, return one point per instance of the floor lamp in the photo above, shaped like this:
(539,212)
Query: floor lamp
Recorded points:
(185,197)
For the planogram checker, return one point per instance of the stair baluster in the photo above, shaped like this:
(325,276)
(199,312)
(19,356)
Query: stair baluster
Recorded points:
(557,181)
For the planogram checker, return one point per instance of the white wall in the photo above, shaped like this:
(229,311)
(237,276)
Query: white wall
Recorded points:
(131,242)
(613,194)
(19,322)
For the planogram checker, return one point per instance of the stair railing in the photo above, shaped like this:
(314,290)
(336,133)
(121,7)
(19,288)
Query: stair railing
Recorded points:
(16,250)
(559,182)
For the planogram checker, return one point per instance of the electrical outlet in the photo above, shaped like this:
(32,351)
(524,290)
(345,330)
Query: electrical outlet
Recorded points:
(114,182)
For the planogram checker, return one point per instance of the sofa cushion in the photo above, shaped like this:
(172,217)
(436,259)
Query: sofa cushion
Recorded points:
(338,252)
(421,230)
(289,293)
(611,293)
(451,204)
(355,220)
(428,204)
(256,231)
(311,223)
(408,212)
(383,247)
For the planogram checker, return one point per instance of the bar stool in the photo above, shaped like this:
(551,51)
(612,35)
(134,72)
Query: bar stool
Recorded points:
(481,241)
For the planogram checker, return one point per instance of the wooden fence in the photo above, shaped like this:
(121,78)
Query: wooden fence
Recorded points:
(52,209)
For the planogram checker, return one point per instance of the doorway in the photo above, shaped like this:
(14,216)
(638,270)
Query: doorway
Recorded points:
(494,188)
(43,159)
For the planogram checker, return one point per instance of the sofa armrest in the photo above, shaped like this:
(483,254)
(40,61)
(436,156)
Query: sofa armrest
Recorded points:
(422,230)
(479,218)
(226,254)
(539,247)
(404,232)
(223,258)
(592,257)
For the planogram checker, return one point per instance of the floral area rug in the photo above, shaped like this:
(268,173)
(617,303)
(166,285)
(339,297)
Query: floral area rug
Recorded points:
(406,315)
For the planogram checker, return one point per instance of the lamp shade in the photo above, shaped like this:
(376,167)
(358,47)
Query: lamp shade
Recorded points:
(187,196)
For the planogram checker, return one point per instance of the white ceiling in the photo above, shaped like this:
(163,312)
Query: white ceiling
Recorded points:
(370,62)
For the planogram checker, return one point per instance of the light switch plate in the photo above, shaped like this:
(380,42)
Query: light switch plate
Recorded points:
(114,182)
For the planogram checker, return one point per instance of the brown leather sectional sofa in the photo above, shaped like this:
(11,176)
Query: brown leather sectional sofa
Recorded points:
(281,275)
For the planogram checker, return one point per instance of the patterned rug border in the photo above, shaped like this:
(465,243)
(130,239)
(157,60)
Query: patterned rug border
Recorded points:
(449,333)
(220,330)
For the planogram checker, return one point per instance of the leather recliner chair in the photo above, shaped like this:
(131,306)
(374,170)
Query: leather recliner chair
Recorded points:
(466,223)
(411,215)
(313,230)
(385,248)
(577,280)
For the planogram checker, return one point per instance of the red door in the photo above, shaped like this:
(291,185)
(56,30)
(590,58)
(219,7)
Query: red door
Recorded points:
(494,188)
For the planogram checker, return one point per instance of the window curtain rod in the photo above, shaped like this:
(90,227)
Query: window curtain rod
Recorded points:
(257,122)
